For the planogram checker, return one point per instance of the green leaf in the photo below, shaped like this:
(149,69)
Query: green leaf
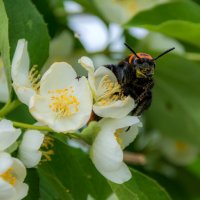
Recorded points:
(51,187)
(182,24)
(140,187)
(181,184)
(185,10)
(175,109)
(21,114)
(26,22)
(4,41)
(32,180)
(71,175)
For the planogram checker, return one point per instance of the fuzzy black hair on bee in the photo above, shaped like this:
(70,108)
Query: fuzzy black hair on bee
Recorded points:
(135,75)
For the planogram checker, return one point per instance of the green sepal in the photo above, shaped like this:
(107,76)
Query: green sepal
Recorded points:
(90,132)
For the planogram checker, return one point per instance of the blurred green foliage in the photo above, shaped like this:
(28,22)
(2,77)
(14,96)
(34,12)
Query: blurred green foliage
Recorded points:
(175,111)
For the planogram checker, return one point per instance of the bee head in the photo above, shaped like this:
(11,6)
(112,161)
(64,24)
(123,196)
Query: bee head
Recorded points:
(144,67)
(144,63)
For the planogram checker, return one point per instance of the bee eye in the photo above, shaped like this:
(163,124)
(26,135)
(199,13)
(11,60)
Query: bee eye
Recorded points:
(139,61)
(151,63)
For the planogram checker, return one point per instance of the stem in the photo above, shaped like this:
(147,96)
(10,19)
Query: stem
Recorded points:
(43,128)
(32,127)
(134,158)
(76,136)
(9,106)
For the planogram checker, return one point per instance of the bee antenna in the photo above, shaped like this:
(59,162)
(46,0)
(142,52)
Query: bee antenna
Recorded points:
(162,54)
(131,50)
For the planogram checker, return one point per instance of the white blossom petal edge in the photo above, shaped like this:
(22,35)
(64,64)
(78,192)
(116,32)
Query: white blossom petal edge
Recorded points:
(107,149)
(8,134)
(29,149)
(109,99)
(63,102)
(12,175)
(20,73)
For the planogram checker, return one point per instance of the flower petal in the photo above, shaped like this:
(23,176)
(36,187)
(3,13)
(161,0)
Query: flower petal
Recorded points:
(29,152)
(106,152)
(30,158)
(129,136)
(32,140)
(119,123)
(20,73)
(39,108)
(24,94)
(5,162)
(19,169)
(20,64)
(21,190)
(119,176)
(117,109)
(59,76)
(87,63)
(8,134)
(7,191)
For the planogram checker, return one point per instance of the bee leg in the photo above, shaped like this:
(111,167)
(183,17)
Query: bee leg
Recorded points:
(128,129)
(143,104)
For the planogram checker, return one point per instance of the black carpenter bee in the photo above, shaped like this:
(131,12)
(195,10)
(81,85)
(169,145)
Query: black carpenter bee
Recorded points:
(135,75)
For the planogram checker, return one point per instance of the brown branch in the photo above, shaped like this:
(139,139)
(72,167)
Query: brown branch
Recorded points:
(134,158)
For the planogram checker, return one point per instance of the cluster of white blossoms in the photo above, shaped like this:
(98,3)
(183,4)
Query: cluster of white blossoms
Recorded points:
(64,102)
(12,170)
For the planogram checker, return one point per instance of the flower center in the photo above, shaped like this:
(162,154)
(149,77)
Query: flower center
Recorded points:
(112,91)
(8,176)
(63,102)
(180,146)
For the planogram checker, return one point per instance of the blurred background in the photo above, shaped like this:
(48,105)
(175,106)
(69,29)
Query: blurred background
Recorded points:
(167,147)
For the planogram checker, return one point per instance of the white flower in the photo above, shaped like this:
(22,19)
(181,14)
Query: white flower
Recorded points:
(106,151)
(63,102)
(8,134)
(179,153)
(29,149)
(4,92)
(107,93)
(12,175)
(24,82)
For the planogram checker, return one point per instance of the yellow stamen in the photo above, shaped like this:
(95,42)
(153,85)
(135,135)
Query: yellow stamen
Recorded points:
(63,102)
(34,78)
(45,148)
(9,177)
(48,142)
(47,155)
(112,91)
(117,133)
